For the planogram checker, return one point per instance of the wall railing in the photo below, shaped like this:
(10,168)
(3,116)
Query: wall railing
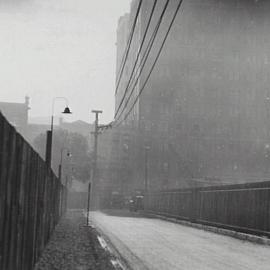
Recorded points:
(240,207)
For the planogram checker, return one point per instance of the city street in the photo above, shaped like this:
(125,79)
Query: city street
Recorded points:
(156,244)
(158,107)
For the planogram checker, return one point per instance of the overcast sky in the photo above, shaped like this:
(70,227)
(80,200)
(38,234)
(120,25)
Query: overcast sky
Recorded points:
(65,48)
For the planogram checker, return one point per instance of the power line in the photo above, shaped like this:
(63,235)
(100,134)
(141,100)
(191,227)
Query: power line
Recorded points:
(125,56)
(146,54)
(156,59)
(137,58)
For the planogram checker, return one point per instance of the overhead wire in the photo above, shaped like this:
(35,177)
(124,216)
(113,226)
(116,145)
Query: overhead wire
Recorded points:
(137,57)
(145,56)
(153,65)
(125,55)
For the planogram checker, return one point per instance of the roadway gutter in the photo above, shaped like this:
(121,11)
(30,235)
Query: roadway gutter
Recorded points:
(262,240)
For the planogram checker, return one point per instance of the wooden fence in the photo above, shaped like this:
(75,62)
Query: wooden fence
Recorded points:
(32,200)
(241,207)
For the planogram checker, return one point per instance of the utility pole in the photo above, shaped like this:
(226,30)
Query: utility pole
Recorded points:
(146,149)
(88,203)
(94,190)
(48,155)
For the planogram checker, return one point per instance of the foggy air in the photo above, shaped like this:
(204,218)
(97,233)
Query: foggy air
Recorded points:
(134,134)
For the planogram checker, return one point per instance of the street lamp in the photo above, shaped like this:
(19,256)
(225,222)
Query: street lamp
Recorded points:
(146,149)
(50,132)
(61,161)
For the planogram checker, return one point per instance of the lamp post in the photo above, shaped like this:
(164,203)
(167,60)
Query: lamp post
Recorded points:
(61,161)
(50,132)
(146,149)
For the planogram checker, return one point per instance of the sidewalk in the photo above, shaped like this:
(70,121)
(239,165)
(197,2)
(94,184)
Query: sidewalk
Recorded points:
(74,246)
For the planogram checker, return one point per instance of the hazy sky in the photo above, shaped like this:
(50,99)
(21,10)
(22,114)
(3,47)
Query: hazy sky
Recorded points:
(65,48)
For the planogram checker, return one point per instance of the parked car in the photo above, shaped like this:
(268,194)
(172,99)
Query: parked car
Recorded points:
(136,203)
(117,200)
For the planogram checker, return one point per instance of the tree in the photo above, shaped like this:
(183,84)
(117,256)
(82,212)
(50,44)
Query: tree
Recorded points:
(76,159)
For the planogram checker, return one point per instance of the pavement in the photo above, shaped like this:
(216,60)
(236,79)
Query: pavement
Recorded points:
(74,246)
(149,243)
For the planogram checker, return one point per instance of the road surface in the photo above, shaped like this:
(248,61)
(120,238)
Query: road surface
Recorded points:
(156,244)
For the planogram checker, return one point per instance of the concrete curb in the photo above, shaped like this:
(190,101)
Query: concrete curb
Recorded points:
(118,261)
(238,235)
(113,250)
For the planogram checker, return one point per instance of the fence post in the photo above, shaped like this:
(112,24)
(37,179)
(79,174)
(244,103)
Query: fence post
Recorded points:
(194,204)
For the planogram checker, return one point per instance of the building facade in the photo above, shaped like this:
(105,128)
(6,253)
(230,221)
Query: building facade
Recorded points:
(205,111)
(17,114)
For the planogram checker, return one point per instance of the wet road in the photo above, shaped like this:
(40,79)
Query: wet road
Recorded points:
(156,244)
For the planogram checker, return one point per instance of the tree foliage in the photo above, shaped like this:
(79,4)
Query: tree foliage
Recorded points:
(76,158)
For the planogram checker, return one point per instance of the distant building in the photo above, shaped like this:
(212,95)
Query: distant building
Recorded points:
(115,164)
(122,75)
(16,114)
(79,126)
(205,111)
(34,130)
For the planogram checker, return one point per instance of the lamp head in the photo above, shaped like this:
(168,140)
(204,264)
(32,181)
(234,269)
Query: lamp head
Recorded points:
(67,111)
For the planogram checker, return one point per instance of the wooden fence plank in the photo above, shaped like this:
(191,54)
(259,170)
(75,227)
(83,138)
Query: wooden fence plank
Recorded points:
(242,207)
(32,199)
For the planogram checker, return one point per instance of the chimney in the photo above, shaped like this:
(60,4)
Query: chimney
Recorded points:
(26,102)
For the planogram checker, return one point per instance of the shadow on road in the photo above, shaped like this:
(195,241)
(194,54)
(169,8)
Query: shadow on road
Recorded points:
(122,213)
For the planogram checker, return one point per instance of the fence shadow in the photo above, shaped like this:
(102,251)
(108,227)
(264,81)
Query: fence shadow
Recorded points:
(123,213)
